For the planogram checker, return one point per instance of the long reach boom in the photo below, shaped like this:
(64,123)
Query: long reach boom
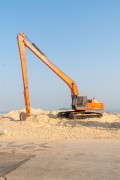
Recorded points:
(80,104)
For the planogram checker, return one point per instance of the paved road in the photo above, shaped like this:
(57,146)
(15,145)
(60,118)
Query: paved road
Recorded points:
(9,163)
(70,160)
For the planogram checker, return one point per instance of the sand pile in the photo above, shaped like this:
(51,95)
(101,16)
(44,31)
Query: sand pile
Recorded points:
(44,125)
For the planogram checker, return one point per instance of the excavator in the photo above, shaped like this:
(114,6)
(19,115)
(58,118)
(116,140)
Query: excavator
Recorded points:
(81,106)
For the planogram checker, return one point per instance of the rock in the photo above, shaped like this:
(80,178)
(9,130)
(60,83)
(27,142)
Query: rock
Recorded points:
(3,131)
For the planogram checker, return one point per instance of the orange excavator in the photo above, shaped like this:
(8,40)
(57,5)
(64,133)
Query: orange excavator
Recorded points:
(81,106)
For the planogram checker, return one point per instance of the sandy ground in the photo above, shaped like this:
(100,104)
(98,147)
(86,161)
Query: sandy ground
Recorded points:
(63,148)
(45,126)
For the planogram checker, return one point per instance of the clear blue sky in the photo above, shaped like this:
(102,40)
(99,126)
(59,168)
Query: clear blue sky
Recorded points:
(82,37)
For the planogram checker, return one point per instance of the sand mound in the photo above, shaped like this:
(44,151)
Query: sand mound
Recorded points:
(44,125)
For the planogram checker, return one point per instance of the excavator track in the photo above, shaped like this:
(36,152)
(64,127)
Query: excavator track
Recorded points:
(78,115)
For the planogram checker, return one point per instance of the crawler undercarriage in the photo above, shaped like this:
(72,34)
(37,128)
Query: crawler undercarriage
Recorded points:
(79,114)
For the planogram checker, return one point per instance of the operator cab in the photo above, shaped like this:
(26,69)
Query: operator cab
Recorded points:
(79,101)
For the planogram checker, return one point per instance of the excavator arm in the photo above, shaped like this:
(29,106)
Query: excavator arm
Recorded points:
(22,42)
(79,103)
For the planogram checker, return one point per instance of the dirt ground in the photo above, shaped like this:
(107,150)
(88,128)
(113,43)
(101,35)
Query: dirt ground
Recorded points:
(61,148)
(45,126)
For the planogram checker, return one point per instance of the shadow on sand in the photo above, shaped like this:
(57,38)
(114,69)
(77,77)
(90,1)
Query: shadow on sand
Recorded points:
(106,125)
(11,119)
